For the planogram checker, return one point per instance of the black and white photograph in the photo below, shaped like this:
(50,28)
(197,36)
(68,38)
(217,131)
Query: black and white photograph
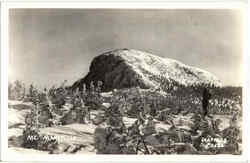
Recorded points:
(110,81)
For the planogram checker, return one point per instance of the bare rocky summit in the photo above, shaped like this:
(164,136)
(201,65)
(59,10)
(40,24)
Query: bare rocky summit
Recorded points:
(126,68)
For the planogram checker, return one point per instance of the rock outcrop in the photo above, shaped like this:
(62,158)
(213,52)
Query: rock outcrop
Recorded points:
(126,68)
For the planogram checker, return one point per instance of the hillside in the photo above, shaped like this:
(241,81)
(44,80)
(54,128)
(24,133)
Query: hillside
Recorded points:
(74,135)
(126,68)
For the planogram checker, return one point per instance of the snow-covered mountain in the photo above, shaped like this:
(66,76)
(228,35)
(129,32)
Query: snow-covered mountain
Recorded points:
(125,68)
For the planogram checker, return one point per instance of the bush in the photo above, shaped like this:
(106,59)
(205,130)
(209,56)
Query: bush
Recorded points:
(16,90)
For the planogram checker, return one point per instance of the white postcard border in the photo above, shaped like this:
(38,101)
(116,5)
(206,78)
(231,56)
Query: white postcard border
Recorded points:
(6,156)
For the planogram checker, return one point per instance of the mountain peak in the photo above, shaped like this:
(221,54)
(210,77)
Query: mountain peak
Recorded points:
(125,68)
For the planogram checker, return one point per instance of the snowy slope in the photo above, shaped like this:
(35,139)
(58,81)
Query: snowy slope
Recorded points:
(147,64)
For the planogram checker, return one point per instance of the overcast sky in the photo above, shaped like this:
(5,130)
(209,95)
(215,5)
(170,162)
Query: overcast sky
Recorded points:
(47,46)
